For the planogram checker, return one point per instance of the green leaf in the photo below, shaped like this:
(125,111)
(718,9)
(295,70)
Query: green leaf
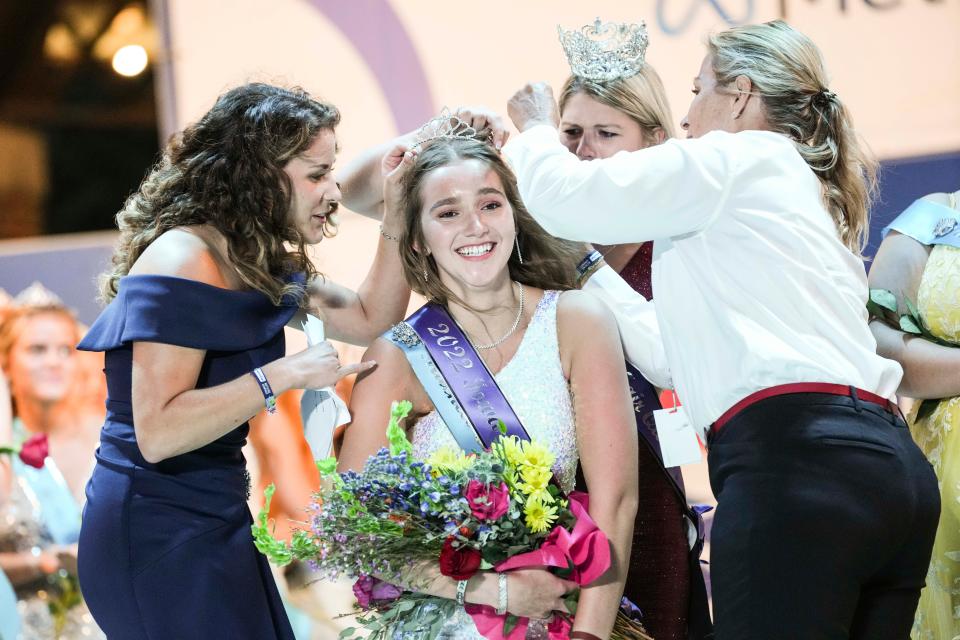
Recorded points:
(912,310)
(510,623)
(396,436)
(327,466)
(348,632)
(909,325)
(884,299)
(502,427)
(571,601)
(277,551)
(926,409)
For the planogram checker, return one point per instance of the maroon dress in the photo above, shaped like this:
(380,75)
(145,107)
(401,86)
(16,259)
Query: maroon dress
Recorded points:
(659,578)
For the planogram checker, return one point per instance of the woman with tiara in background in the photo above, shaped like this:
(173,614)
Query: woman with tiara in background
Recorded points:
(605,109)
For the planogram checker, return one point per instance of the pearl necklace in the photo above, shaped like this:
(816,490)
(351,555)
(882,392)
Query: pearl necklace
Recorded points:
(516,323)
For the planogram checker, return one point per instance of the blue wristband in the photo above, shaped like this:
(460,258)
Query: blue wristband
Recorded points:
(269,399)
(588,262)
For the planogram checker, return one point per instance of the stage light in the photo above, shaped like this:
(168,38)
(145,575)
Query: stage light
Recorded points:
(130,60)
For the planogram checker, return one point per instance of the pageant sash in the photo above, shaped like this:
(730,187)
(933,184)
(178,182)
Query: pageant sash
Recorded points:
(455,377)
(929,223)
(645,402)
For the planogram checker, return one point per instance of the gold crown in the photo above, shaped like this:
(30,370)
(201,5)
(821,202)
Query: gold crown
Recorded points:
(605,51)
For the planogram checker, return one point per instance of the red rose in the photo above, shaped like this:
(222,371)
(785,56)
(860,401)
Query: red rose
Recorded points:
(486,502)
(34,451)
(458,563)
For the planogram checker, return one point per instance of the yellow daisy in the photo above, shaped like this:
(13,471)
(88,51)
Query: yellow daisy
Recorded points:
(512,451)
(450,460)
(539,516)
(535,481)
(537,455)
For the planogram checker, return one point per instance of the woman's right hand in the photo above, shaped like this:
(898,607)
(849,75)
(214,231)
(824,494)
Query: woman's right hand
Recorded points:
(319,366)
(536,593)
(393,168)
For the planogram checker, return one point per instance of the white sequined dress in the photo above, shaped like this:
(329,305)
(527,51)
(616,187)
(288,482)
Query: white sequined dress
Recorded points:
(534,383)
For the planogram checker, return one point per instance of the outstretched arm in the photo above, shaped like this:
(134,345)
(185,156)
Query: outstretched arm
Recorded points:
(663,191)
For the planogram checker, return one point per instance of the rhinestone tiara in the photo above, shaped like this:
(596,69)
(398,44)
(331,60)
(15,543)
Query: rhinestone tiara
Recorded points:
(605,51)
(37,296)
(445,125)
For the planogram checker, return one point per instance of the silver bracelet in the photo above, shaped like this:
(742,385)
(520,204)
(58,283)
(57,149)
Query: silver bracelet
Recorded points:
(501,594)
(388,236)
(461,592)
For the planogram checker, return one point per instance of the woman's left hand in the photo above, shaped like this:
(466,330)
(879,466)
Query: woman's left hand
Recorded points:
(394,167)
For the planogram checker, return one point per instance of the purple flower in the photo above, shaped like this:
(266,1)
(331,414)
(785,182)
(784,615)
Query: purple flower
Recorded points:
(371,591)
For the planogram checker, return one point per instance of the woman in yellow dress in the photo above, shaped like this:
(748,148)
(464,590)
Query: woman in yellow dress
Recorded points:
(919,262)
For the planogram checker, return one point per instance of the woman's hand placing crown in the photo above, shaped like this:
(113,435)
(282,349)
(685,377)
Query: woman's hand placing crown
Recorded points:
(393,167)
(533,105)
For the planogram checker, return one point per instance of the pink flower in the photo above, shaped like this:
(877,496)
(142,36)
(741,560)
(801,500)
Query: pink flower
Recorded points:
(486,502)
(34,451)
(371,591)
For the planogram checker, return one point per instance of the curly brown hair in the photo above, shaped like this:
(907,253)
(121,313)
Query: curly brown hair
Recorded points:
(548,262)
(226,170)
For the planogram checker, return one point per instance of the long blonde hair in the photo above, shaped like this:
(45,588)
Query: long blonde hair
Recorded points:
(788,73)
(226,170)
(641,97)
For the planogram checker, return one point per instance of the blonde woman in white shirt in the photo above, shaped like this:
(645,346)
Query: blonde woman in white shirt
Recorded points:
(827,509)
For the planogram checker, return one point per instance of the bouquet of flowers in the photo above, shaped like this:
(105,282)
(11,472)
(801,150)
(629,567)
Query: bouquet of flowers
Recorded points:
(497,509)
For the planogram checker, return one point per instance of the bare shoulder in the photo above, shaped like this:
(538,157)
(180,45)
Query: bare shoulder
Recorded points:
(183,253)
(580,310)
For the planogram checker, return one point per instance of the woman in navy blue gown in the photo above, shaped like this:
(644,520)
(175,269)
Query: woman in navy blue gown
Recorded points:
(210,267)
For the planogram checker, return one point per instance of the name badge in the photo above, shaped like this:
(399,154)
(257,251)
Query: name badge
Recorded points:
(678,439)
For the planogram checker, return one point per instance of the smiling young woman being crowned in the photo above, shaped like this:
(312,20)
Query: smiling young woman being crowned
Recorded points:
(534,353)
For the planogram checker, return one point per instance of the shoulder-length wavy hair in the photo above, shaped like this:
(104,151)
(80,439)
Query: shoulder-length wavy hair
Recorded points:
(788,72)
(548,262)
(226,170)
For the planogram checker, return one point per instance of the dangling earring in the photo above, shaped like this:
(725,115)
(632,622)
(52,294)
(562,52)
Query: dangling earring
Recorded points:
(516,240)
(425,275)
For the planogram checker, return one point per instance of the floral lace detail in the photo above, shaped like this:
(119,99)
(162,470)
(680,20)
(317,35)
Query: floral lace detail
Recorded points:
(938,300)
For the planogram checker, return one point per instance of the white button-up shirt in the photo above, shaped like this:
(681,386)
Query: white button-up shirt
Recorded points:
(753,286)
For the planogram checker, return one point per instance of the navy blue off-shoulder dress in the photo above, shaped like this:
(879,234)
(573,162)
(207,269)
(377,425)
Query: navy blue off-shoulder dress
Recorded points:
(165,549)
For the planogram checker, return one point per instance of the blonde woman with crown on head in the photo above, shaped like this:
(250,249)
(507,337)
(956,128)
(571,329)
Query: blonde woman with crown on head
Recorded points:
(827,509)
(614,101)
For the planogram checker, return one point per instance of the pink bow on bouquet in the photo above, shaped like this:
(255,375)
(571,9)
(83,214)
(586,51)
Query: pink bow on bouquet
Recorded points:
(585,551)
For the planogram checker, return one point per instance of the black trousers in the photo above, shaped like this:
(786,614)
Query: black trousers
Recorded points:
(826,516)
